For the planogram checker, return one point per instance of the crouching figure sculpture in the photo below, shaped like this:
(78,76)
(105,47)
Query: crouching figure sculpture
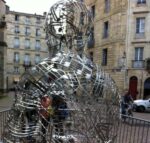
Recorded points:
(66,97)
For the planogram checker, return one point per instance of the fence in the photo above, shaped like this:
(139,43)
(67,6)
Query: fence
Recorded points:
(132,130)
(3,120)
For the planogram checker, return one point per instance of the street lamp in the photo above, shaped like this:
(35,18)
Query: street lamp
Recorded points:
(124,68)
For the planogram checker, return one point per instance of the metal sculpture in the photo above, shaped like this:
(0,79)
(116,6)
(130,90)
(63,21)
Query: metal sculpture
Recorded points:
(66,97)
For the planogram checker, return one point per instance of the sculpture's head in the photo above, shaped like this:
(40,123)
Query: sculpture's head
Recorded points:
(68,24)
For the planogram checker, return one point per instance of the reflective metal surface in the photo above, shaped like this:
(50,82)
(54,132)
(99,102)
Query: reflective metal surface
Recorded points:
(68,77)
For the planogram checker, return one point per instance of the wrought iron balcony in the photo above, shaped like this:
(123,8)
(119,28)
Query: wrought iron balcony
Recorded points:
(138,64)
(16,61)
(2,23)
(17,31)
(147,65)
(3,43)
(27,33)
(16,45)
(141,2)
(27,64)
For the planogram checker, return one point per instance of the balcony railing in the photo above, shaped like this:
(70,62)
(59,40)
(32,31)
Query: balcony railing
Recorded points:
(17,31)
(27,63)
(138,64)
(27,33)
(147,65)
(3,43)
(16,61)
(139,35)
(141,2)
(27,47)
(16,46)
(38,34)
(2,23)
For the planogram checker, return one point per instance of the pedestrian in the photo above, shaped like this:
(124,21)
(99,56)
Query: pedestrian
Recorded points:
(126,100)
(46,112)
(60,114)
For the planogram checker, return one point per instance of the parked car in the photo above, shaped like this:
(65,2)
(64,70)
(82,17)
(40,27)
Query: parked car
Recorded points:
(142,105)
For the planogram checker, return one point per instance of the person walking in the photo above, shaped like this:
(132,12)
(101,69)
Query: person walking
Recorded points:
(126,101)
(46,112)
(60,114)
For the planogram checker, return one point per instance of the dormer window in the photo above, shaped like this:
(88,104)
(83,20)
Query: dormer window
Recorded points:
(38,20)
(27,20)
(16,17)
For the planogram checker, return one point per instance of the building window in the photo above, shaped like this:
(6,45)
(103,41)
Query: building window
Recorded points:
(16,57)
(91,39)
(37,45)
(106,29)
(37,59)
(104,57)
(82,18)
(16,29)
(92,33)
(93,11)
(38,20)
(91,56)
(141,1)
(27,31)
(27,59)
(27,20)
(16,42)
(16,17)
(16,69)
(139,53)
(140,25)
(27,43)
(107,6)
(79,41)
(138,61)
(38,32)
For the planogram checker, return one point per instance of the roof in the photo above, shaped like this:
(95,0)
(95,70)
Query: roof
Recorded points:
(26,14)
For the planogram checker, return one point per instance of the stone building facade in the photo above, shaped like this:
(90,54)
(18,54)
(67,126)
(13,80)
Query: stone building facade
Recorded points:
(117,47)
(138,47)
(107,46)
(3,44)
(26,43)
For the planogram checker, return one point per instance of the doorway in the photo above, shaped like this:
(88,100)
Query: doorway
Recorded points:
(133,87)
(147,88)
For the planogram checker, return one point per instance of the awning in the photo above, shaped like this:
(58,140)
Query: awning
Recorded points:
(16,79)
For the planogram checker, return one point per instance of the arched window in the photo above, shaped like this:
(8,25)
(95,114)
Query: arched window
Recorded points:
(147,88)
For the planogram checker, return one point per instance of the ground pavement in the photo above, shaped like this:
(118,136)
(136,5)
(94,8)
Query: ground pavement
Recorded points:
(6,100)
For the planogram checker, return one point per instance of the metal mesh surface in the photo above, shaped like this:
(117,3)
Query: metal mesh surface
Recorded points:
(83,99)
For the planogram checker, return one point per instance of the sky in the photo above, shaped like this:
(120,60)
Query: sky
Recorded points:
(30,6)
